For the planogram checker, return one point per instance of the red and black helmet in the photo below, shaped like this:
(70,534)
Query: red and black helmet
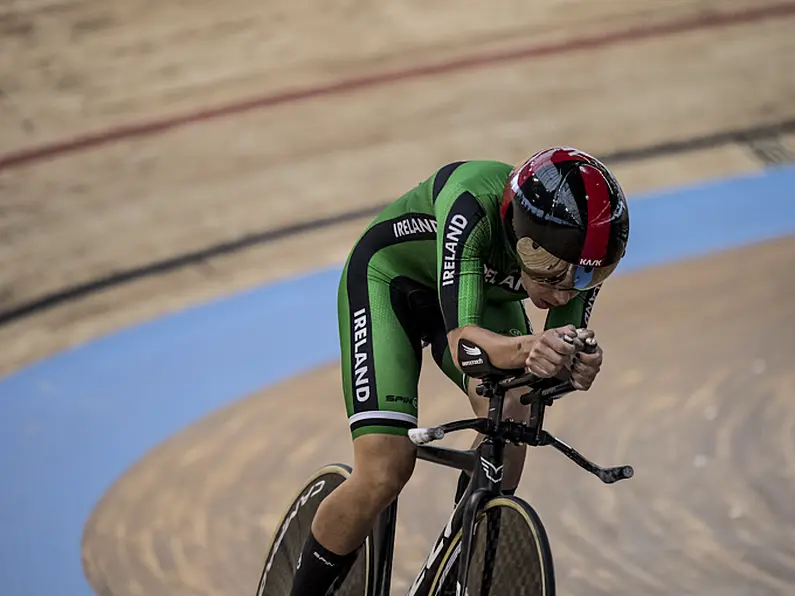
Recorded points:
(567,216)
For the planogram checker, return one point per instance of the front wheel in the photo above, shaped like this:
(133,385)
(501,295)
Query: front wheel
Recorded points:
(293,530)
(510,554)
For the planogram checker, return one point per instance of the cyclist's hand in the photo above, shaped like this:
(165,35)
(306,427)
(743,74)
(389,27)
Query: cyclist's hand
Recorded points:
(586,366)
(552,351)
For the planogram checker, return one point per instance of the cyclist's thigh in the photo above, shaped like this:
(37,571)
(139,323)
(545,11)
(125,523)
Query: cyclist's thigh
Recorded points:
(380,360)
(505,318)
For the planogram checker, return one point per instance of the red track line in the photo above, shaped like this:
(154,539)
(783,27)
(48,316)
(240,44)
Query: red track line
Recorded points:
(707,21)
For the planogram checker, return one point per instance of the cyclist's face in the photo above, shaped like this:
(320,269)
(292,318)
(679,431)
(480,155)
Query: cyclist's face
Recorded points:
(545,296)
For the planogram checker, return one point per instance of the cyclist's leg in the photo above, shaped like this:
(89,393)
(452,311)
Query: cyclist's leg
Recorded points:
(381,359)
(506,318)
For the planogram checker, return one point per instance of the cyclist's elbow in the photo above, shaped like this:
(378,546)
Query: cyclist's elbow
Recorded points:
(453,337)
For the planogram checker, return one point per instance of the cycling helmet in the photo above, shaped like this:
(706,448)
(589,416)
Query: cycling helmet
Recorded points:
(566,215)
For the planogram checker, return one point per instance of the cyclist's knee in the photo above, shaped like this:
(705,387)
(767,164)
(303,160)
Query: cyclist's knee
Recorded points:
(383,464)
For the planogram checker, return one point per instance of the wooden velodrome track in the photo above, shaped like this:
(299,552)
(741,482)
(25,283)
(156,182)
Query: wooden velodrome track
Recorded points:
(133,132)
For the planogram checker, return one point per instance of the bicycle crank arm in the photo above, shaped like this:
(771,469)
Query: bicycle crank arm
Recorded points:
(606,475)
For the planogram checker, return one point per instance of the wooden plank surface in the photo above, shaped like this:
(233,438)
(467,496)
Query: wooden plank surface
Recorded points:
(82,216)
(708,510)
(700,406)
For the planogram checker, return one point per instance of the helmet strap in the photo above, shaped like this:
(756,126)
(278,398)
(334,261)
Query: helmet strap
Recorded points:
(507,224)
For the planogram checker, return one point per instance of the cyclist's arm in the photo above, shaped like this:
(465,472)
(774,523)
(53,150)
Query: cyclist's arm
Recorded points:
(463,238)
(504,351)
(576,312)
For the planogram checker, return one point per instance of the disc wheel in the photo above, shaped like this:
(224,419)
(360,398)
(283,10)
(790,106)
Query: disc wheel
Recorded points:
(290,535)
(510,554)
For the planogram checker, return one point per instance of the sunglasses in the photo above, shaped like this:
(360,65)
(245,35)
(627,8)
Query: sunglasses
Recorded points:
(574,277)
(546,269)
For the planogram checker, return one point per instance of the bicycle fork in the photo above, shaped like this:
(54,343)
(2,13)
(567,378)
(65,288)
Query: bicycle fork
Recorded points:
(485,484)
(488,480)
(430,569)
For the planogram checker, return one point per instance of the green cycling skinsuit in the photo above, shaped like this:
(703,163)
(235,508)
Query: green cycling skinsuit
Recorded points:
(434,260)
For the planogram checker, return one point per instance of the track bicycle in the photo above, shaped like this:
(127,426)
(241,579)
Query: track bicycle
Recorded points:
(492,543)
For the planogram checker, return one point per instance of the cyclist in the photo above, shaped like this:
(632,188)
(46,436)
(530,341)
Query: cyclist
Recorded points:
(454,258)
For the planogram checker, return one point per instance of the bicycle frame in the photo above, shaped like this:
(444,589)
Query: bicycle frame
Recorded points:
(485,465)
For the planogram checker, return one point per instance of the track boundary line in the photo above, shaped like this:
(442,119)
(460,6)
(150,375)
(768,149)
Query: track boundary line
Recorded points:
(160,126)
(118,278)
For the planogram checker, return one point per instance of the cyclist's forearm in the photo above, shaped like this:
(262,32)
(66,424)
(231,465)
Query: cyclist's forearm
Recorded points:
(503,351)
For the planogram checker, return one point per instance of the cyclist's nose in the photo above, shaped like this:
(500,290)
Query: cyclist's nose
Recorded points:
(564,296)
